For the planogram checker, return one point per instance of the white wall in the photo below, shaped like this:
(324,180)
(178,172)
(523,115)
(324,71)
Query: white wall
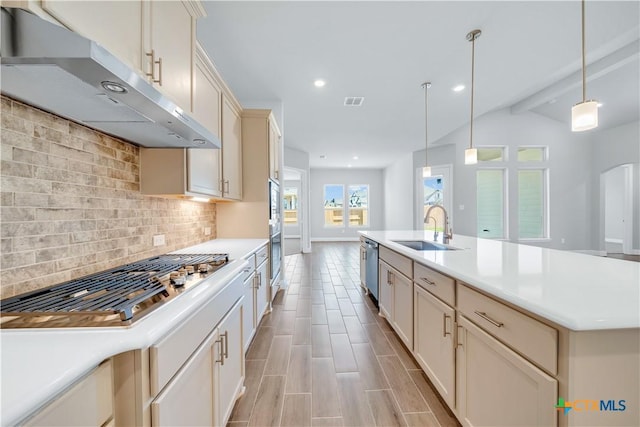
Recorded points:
(569,173)
(398,194)
(320,177)
(614,205)
(611,148)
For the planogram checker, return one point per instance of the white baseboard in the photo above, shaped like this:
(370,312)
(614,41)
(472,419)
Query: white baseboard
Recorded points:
(612,240)
(292,237)
(335,239)
(591,252)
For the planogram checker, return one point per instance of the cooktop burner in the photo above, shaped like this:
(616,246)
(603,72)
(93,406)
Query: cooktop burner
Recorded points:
(115,297)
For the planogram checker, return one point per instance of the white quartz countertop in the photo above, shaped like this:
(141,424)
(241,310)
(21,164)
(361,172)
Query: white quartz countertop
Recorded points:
(580,292)
(37,364)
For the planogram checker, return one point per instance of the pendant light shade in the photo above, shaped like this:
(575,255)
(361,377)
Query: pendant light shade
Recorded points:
(471,154)
(426,170)
(584,115)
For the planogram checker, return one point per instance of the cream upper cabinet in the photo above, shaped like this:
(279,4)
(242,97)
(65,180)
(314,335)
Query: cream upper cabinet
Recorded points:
(116,25)
(433,343)
(170,48)
(231,150)
(497,387)
(275,148)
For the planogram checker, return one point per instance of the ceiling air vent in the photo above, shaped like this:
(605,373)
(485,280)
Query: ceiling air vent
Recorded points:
(353,101)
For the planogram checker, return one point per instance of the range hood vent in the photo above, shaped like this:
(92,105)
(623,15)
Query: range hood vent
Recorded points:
(59,71)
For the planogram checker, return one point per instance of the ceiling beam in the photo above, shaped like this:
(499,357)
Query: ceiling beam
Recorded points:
(595,70)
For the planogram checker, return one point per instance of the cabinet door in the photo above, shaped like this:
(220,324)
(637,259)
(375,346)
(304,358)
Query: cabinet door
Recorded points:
(115,25)
(262,286)
(403,307)
(363,267)
(231,151)
(433,343)
(385,287)
(248,312)
(172,43)
(274,152)
(231,362)
(497,386)
(188,398)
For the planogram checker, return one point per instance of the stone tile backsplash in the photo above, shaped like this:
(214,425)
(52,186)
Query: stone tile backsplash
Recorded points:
(71,206)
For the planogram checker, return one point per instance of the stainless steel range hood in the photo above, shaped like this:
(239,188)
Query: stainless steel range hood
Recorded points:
(62,72)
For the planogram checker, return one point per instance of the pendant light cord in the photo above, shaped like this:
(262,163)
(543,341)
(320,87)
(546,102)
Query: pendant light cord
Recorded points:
(473,53)
(426,86)
(584,66)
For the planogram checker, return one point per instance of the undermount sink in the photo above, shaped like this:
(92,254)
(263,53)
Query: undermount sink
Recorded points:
(422,245)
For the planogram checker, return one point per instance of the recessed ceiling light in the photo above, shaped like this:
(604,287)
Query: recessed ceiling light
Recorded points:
(458,88)
(349,165)
(319,83)
(355,157)
(114,87)
(600,104)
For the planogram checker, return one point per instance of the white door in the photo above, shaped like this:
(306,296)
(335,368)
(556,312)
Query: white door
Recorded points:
(436,189)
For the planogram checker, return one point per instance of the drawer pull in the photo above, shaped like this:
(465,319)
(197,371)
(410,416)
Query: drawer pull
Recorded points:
(488,319)
(429,282)
(225,354)
(459,335)
(444,325)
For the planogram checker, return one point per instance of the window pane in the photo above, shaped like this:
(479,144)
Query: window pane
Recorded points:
(490,203)
(333,205)
(433,196)
(531,204)
(531,154)
(358,205)
(291,205)
(491,154)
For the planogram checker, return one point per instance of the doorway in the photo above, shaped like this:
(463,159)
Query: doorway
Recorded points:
(295,224)
(617,201)
(433,190)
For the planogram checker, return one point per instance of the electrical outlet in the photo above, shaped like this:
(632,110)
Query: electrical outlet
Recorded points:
(158,240)
(207,231)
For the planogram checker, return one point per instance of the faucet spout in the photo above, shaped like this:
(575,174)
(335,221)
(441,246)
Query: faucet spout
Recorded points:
(447,233)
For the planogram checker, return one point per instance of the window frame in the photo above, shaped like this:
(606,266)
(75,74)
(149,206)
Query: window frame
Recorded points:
(324,208)
(368,208)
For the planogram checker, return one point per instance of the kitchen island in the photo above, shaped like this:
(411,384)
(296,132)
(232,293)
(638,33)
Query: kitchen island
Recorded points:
(40,364)
(528,324)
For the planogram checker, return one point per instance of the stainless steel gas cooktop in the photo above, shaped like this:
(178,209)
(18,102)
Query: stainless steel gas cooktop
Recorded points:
(115,297)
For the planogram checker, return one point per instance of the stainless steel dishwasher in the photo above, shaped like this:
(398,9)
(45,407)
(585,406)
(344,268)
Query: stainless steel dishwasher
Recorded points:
(371,268)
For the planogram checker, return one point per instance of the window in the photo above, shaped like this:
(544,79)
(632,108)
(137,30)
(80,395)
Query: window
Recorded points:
(333,205)
(490,190)
(433,193)
(532,154)
(291,205)
(358,205)
(532,206)
(491,154)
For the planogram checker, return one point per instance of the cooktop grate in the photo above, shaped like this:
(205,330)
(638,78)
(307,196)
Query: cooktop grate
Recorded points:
(115,291)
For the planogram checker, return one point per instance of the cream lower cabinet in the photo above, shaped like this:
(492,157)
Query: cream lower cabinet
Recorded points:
(204,390)
(248,314)
(497,387)
(433,344)
(363,267)
(88,403)
(396,301)
(262,287)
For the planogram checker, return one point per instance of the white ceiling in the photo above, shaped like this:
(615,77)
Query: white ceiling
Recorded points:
(528,55)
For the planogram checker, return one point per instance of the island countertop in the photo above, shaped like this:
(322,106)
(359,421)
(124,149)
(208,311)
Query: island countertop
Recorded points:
(577,291)
(38,364)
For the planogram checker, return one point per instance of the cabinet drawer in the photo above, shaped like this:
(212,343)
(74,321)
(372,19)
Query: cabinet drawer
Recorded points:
(401,263)
(261,255)
(438,284)
(533,339)
(169,354)
(249,269)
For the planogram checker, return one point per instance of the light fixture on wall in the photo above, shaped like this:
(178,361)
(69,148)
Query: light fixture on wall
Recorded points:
(471,154)
(584,115)
(426,170)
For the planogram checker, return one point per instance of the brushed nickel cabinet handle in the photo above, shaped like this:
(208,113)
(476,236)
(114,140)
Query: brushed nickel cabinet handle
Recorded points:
(444,325)
(220,350)
(152,74)
(427,281)
(225,353)
(159,62)
(225,186)
(459,334)
(488,319)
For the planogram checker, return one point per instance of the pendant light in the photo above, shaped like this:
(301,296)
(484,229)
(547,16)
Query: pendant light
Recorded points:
(584,115)
(426,170)
(471,154)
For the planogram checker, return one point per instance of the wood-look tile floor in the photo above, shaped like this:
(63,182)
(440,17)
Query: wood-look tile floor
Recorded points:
(323,356)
